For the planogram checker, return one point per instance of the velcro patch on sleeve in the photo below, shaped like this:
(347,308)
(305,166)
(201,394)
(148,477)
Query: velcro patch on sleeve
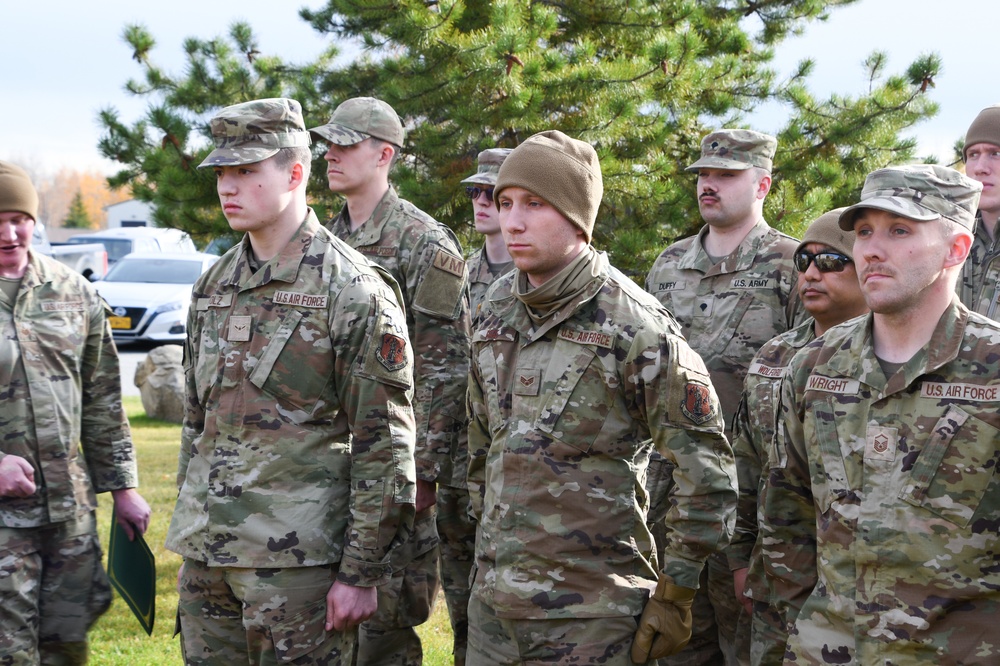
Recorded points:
(442,288)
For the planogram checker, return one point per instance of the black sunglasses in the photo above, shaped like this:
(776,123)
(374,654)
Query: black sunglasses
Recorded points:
(473,192)
(826,262)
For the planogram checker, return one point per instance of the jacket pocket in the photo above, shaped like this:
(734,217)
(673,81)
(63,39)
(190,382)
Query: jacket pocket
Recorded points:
(576,400)
(300,634)
(956,466)
(829,482)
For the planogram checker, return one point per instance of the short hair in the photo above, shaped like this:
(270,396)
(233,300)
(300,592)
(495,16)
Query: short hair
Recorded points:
(396,150)
(286,157)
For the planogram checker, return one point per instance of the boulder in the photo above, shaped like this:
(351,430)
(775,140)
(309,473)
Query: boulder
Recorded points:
(160,379)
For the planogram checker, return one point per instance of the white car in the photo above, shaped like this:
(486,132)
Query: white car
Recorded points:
(150,293)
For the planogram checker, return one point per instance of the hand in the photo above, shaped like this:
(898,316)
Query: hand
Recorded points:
(131,511)
(740,583)
(17,477)
(665,626)
(426,495)
(348,606)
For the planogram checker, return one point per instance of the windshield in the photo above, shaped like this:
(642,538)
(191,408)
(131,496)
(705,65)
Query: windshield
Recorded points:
(116,248)
(160,271)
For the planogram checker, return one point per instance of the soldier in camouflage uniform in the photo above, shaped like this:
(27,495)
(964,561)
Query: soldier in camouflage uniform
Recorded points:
(732,288)
(829,290)
(577,375)
(493,260)
(979,286)
(63,438)
(891,438)
(425,258)
(296,469)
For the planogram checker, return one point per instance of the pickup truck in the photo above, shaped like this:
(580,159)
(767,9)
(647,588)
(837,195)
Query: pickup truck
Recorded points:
(90,259)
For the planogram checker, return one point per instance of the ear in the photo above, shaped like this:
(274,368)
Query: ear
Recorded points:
(295,176)
(386,154)
(764,186)
(958,249)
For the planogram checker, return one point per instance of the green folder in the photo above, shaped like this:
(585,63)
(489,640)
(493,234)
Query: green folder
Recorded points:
(132,570)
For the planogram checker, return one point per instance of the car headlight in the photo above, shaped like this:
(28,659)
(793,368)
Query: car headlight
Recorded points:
(168,307)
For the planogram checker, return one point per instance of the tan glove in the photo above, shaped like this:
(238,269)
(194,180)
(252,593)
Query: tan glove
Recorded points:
(665,626)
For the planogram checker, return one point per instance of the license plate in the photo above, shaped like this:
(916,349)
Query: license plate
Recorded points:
(120,322)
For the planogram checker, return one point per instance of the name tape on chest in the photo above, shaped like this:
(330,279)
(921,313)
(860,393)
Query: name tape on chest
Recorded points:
(377,250)
(758,368)
(959,391)
(671,286)
(63,306)
(832,384)
(300,300)
(579,337)
(752,283)
(214,301)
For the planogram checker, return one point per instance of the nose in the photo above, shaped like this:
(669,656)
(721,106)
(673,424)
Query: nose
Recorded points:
(511,220)
(224,184)
(812,273)
(330,155)
(7,232)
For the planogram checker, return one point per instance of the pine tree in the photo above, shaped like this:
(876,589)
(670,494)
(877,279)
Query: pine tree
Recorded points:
(642,81)
(77,217)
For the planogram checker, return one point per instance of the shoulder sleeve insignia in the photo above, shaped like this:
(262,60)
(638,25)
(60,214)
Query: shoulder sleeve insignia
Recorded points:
(392,352)
(697,403)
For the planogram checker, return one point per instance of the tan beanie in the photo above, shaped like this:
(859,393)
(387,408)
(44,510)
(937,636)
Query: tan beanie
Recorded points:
(984,129)
(563,171)
(826,230)
(16,191)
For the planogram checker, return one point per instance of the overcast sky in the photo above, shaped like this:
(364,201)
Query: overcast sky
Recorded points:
(63,61)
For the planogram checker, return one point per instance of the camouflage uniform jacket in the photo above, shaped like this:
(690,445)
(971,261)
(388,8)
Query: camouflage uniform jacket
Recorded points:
(61,407)
(481,277)
(563,419)
(754,445)
(895,479)
(979,287)
(425,258)
(297,444)
(727,311)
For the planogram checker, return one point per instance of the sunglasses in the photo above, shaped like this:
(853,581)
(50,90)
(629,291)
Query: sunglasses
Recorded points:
(826,262)
(473,192)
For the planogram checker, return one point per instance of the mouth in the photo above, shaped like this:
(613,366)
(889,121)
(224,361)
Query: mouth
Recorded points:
(230,208)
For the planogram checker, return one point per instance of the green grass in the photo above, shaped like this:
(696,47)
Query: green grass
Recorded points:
(117,639)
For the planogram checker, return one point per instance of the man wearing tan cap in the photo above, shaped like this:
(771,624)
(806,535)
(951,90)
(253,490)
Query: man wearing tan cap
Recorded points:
(64,438)
(296,473)
(365,136)
(732,288)
(577,374)
(492,260)
(890,434)
(979,286)
(829,289)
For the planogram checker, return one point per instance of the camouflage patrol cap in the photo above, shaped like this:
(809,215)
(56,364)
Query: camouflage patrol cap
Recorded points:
(921,192)
(17,194)
(254,131)
(359,118)
(825,230)
(737,150)
(489,166)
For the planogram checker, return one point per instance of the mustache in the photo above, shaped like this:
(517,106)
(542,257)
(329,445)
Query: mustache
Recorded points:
(880,269)
(714,195)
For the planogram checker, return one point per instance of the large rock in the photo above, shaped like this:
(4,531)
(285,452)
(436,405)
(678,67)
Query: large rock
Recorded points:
(160,378)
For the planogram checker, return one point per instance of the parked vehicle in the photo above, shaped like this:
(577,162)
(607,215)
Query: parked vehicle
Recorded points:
(126,240)
(89,259)
(221,244)
(150,293)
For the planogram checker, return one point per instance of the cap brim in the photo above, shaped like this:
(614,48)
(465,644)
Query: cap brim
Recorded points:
(895,205)
(237,155)
(338,134)
(479,179)
(718,163)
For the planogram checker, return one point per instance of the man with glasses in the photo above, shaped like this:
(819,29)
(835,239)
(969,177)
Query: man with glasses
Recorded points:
(493,260)
(365,136)
(829,289)
(979,287)
(732,288)
(890,440)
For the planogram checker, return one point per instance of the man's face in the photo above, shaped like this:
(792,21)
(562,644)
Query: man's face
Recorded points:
(982,163)
(539,238)
(350,169)
(831,297)
(484,211)
(898,259)
(727,197)
(253,196)
(15,239)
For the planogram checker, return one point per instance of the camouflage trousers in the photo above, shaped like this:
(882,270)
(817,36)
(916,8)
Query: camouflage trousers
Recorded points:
(497,641)
(52,589)
(768,636)
(405,602)
(720,626)
(458,550)
(234,615)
